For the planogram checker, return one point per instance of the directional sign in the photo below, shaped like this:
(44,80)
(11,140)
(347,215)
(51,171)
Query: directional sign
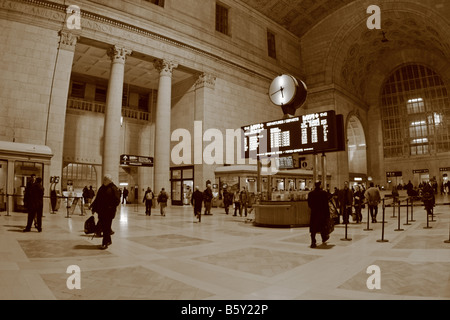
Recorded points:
(136,161)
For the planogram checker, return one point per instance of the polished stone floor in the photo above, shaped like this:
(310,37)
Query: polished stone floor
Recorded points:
(223,258)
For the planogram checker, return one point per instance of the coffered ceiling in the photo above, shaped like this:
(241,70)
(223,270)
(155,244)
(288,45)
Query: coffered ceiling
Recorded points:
(297,16)
(415,26)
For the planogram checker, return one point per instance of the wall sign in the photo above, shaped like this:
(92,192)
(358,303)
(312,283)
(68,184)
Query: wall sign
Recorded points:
(136,161)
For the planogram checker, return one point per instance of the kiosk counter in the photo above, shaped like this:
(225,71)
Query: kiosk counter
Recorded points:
(285,210)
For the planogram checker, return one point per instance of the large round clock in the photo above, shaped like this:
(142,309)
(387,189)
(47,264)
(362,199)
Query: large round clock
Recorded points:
(289,93)
(283,89)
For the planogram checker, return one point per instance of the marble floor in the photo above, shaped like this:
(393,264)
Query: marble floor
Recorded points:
(223,258)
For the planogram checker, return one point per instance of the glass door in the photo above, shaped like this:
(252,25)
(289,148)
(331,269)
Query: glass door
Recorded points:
(188,186)
(176,193)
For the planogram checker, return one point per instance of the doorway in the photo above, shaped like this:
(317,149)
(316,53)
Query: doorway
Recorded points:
(182,183)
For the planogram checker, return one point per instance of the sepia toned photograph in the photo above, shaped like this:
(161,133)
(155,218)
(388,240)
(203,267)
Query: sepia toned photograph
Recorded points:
(233,157)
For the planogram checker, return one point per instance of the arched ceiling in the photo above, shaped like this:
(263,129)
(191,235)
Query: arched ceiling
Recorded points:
(297,16)
(403,32)
(354,52)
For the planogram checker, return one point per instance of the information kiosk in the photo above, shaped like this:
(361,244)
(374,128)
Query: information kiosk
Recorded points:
(283,140)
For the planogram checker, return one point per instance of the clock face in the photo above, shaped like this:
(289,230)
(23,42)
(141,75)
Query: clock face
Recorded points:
(283,89)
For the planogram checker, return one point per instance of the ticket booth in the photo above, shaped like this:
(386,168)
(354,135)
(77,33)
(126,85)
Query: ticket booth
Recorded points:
(18,162)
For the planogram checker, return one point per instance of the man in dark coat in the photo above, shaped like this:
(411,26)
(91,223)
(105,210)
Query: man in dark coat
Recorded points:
(345,197)
(227,200)
(320,213)
(428,197)
(196,201)
(207,198)
(105,204)
(34,202)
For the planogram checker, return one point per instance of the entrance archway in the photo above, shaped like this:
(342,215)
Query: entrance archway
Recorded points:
(357,151)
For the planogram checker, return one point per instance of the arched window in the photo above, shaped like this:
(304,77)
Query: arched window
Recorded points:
(79,175)
(415,113)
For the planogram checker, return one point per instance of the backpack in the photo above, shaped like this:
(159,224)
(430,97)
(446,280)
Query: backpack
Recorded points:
(89,225)
(162,197)
(149,196)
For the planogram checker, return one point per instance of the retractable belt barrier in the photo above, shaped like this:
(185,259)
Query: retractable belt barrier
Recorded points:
(71,203)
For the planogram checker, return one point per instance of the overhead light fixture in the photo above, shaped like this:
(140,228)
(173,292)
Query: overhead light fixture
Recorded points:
(384,37)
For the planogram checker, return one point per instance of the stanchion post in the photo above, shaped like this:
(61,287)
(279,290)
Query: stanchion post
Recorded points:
(407,210)
(382,227)
(368,216)
(428,223)
(398,228)
(346,224)
(67,207)
(412,210)
(393,208)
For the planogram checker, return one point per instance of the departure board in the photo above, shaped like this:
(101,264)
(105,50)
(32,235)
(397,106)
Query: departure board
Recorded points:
(306,134)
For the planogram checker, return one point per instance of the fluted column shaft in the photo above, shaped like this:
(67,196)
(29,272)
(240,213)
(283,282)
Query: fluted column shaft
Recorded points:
(162,125)
(113,113)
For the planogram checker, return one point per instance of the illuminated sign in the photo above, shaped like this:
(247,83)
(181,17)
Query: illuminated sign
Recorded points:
(308,134)
(136,161)
(394,174)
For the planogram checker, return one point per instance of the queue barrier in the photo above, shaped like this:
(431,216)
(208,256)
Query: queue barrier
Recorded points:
(71,203)
(397,203)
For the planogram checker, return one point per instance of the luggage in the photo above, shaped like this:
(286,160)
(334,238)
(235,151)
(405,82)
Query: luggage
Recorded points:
(89,225)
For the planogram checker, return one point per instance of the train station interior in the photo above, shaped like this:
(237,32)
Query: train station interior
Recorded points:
(159,94)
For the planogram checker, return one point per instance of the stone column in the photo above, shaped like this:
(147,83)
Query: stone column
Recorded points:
(113,113)
(56,115)
(204,91)
(162,125)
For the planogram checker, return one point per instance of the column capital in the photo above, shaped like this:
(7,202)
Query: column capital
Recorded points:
(165,67)
(118,54)
(205,80)
(68,40)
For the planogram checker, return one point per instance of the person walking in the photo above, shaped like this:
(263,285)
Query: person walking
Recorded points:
(320,213)
(373,197)
(91,195)
(196,201)
(345,197)
(85,194)
(244,200)
(237,203)
(359,202)
(207,198)
(227,200)
(105,204)
(428,197)
(148,200)
(162,200)
(125,195)
(35,202)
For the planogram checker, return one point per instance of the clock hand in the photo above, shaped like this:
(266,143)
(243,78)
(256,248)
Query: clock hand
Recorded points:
(281,89)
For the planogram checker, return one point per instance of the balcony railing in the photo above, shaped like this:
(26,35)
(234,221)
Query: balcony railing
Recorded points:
(92,106)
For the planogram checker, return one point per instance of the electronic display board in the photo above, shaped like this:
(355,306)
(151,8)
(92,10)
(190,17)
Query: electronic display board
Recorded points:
(307,134)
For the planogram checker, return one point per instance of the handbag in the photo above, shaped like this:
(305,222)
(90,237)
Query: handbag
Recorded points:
(89,225)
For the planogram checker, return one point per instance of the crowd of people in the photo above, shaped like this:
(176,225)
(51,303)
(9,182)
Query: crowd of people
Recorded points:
(238,199)
(348,202)
(326,207)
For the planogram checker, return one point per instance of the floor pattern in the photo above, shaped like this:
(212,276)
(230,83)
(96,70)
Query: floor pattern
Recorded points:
(224,257)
